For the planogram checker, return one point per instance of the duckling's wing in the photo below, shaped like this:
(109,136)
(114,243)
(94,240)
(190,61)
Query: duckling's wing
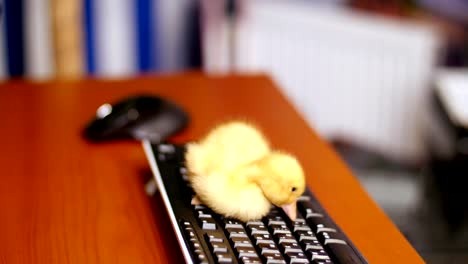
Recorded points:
(228,147)
(231,196)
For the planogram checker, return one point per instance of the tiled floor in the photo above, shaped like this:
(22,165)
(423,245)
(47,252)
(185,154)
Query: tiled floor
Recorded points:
(412,200)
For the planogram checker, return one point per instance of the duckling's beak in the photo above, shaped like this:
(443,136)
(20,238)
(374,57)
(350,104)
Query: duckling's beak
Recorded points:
(290,210)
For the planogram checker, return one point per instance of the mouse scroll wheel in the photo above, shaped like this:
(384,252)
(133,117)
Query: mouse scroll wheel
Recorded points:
(103,111)
(133,114)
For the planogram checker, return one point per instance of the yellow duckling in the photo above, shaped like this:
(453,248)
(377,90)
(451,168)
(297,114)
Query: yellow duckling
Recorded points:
(235,173)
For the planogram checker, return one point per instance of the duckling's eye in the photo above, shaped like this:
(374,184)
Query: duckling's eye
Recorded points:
(293,189)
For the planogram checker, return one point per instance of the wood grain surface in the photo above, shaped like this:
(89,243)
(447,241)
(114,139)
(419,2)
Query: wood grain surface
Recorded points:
(64,200)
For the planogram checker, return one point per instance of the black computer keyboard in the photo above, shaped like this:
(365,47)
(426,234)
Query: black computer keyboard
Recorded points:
(206,237)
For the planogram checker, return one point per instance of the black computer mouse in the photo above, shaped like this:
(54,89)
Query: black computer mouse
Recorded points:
(139,117)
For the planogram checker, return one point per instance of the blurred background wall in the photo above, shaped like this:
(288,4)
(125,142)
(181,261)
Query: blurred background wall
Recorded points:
(359,70)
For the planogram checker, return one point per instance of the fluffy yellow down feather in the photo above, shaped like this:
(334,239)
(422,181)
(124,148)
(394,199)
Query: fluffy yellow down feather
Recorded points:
(234,171)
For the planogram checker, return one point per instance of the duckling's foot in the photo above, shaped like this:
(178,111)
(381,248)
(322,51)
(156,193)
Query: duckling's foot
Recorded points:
(195,201)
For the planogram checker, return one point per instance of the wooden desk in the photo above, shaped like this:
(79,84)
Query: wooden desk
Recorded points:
(63,200)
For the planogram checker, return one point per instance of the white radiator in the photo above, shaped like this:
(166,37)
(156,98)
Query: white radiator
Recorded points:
(355,76)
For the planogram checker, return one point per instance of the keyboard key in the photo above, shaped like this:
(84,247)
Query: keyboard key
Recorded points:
(321,229)
(256,223)
(202,215)
(202,259)
(203,212)
(194,243)
(260,232)
(233,235)
(284,231)
(272,256)
(246,252)
(299,221)
(310,213)
(200,207)
(238,237)
(298,257)
(264,247)
(270,252)
(316,253)
(223,258)
(208,224)
(275,261)
(302,229)
(218,248)
(320,257)
(273,215)
(340,252)
(303,198)
(250,260)
(312,247)
(185,175)
(215,243)
(166,152)
(292,250)
(262,242)
(246,245)
(307,238)
(235,231)
(326,233)
(214,238)
(166,148)
(183,171)
(262,237)
(299,260)
(334,241)
(248,256)
(308,209)
(280,223)
(286,241)
(233,226)
(231,221)
(317,221)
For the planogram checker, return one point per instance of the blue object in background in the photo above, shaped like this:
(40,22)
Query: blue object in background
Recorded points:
(14,30)
(146,36)
(88,18)
(194,36)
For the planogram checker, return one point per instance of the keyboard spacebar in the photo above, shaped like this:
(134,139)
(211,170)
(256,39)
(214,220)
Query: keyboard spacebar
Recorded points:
(340,252)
